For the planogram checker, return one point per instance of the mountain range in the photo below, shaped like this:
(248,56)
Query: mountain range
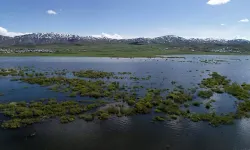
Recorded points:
(55,38)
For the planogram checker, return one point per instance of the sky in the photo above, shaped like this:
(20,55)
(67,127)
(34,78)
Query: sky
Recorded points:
(226,19)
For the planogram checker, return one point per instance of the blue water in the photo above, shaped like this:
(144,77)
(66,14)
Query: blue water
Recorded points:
(130,133)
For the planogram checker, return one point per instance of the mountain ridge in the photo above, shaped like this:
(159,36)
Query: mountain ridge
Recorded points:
(57,38)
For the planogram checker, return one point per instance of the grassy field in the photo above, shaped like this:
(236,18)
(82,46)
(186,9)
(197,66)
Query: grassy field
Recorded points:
(112,50)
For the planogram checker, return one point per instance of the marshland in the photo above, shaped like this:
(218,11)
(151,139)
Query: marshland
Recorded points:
(171,101)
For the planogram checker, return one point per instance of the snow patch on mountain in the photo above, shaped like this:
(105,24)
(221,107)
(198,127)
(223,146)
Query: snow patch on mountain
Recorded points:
(58,38)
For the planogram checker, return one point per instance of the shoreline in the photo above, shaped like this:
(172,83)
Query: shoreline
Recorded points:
(120,56)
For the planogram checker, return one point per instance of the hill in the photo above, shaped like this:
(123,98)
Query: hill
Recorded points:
(67,44)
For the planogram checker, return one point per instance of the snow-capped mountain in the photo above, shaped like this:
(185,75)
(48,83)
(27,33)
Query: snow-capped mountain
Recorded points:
(55,38)
(3,38)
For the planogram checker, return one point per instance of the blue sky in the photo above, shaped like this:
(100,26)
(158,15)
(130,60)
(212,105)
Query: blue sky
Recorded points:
(128,18)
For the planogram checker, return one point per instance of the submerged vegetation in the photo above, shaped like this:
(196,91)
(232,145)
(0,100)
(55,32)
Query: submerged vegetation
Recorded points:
(205,94)
(208,105)
(158,118)
(23,114)
(110,97)
(213,119)
(215,81)
(87,117)
(93,74)
(67,119)
(238,91)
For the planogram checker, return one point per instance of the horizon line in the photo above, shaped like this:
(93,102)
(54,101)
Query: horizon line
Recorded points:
(100,36)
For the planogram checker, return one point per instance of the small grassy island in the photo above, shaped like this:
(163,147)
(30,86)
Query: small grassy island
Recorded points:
(113,98)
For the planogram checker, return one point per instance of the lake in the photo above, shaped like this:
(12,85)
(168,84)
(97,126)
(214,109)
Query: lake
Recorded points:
(136,132)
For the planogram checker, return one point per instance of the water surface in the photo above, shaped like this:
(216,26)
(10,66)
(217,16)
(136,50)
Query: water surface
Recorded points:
(135,132)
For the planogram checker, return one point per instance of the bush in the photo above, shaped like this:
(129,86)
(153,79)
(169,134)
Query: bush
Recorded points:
(237,91)
(67,119)
(131,102)
(217,90)
(215,81)
(243,109)
(169,107)
(12,124)
(73,94)
(26,114)
(86,117)
(141,108)
(113,110)
(103,116)
(158,110)
(38,112)
(22,104)
(127,111)
(36,104)
(92,106)
(205,94)
(246,86)
(179,97)
(75,110)
(174,117)
(158,118)
(29,121)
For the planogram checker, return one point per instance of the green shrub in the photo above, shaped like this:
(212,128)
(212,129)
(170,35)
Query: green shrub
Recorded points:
(103,116)
(205,94)
(179,97)
(141,107)
(217,90)
(112,110)
(67,119)
(38,112)
(86,117)
(215,81)
(174,117)
(158,118)
(127,111)
(75,110)
(158,110)
(12,124)
(131,102)
(237,91)
(73,94)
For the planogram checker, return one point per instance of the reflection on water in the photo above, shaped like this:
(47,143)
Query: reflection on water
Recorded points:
(136,132)
(224,103)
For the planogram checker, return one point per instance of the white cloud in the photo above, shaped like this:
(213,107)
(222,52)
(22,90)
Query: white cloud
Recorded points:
(217,2)
(222,24)
(51,12)
(244,20)
(5,32)
(111,36)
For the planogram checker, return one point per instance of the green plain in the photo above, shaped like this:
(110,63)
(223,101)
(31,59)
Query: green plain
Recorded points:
(113,50)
